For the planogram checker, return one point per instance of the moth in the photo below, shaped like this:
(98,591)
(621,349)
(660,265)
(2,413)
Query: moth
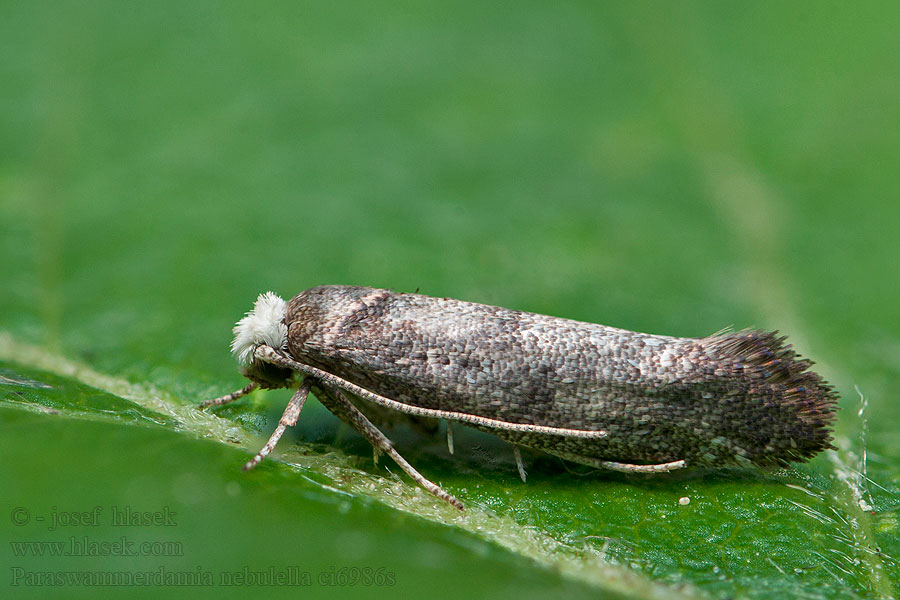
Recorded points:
(588,393)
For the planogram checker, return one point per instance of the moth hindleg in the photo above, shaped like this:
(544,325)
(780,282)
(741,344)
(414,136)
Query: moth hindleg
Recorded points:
(630,468)
(618,466)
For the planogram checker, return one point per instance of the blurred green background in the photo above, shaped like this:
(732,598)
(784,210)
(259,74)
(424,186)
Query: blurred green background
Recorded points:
(669,168)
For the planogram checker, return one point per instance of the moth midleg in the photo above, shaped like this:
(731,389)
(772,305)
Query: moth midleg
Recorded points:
(269,354)
(229,397)
(519,463)
(618,466)
(450,436)
(335,401)
(288,419)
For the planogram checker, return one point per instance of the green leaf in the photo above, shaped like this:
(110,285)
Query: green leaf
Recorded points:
(672,169)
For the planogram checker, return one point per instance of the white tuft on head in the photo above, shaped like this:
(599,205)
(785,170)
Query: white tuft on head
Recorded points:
(264,325)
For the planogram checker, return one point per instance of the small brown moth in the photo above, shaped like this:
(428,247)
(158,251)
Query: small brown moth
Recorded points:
(592,394)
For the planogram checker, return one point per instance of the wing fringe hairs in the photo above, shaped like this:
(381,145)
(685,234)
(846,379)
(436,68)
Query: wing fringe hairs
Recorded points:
(789,397)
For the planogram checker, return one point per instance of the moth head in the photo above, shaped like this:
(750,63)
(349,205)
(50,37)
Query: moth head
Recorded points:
(262,326)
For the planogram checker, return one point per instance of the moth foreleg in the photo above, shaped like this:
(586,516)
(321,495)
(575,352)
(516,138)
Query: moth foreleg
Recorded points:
(335,401)
(288,419)
(229,397)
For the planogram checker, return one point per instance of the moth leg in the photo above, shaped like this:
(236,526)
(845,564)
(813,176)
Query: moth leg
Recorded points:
(288,419)
(229,397)
(335,401)
(519,463)
(629,468)
(618,466)
(450,436)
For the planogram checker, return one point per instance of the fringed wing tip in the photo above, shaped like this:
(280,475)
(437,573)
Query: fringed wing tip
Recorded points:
(803,404)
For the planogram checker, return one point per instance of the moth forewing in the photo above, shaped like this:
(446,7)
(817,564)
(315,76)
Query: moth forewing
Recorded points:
(598,395)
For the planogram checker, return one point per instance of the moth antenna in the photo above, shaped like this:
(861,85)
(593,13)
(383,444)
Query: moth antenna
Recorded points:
(229,397)
(273,356)
(521,465)
(450,436)
(288,419)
